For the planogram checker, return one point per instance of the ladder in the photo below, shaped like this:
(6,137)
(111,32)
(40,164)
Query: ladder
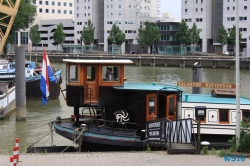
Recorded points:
(9,11)
(98,113)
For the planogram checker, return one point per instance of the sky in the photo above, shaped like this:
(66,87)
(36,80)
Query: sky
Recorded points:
(172,6)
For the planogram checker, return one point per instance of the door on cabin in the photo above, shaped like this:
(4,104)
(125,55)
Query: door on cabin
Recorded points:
(171,107)
(91,88)
(151,107)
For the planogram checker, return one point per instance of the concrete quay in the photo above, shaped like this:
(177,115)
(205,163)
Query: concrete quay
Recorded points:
(210,61)
(156,158)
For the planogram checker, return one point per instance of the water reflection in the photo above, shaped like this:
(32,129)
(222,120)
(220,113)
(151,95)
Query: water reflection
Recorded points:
(38,117)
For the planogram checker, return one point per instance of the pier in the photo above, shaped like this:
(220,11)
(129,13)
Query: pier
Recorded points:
(182,61)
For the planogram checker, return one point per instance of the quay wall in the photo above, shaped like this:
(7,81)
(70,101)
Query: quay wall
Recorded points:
(227,62)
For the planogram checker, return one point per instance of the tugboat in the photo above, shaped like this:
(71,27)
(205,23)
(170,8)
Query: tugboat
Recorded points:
(108,111)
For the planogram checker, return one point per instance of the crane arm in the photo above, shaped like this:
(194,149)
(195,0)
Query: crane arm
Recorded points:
(9,11)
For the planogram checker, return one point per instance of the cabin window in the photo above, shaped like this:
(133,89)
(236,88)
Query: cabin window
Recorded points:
(224,116)
(246,115)
(111,73)
(91,73)
(151,105)
(73,76)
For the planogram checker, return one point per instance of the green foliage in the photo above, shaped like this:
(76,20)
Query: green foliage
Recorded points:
(232,35)
(194,34)
(112,39)
(151,34)
(182,35)
(148,148)
(116,36)
(204,150)
(140,38)
(34,34)
(222,35)
(223,153)
(88,33)
(213,152)
(244,142)
(59,35)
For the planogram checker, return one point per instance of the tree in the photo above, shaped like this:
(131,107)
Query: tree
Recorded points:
(182,35)
(59,35)
(194,35)
(140,38)
(34,34)
(88,33)
(232,36)
(116,36)
(26,14)
(222,36)
(151,34)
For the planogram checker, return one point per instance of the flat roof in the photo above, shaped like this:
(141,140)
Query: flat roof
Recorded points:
(120,61)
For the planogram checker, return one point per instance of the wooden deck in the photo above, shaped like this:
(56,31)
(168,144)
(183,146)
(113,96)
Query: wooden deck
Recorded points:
(181,148)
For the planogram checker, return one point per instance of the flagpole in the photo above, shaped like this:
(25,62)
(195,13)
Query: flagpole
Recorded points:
(238,114)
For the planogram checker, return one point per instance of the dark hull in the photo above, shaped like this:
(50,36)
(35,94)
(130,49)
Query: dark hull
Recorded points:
(33,90)
(98,139)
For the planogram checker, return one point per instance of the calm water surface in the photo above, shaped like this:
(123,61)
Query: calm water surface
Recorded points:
(36,125)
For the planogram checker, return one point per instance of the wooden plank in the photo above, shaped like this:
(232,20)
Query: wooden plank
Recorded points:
(181,148)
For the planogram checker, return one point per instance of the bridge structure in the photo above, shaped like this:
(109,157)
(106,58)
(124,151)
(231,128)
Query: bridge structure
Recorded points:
(8,11)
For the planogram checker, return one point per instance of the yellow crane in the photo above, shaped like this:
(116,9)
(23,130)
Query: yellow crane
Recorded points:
(9,11)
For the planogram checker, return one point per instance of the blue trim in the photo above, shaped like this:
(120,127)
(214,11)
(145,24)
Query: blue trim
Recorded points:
(100,136)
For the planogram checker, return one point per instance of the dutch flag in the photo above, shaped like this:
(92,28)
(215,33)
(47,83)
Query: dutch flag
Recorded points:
(46,73)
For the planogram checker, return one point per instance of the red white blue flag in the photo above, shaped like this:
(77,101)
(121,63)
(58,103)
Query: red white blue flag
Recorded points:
(46,73)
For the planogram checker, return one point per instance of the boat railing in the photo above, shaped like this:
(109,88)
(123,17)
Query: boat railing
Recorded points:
(180,131)
(114,127)
(162,132)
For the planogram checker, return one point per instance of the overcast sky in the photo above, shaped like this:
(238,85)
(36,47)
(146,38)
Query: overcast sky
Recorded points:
(172,6)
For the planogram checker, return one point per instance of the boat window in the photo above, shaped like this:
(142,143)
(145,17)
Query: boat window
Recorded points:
(223,116)
(151,105)
(91,73)
(73,73)
(246,115)
(111,73)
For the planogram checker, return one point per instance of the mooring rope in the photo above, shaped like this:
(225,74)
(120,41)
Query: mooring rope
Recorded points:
(77,137)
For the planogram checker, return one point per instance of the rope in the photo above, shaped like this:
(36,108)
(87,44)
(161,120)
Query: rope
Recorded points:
(77,137)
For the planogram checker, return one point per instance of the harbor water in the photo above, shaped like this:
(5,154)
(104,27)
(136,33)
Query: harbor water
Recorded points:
(36,128)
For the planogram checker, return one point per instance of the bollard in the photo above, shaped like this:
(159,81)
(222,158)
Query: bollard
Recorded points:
(15,155)
(11,161)
(17,145)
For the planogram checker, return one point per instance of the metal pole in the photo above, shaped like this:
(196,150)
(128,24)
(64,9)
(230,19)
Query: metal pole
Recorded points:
(237,79)
(164,48)
(198,135)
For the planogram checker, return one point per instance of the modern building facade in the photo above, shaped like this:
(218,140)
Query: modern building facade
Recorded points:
(127,14)
(211,15)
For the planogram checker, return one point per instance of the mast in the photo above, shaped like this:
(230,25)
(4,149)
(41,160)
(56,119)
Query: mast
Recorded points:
(237,77)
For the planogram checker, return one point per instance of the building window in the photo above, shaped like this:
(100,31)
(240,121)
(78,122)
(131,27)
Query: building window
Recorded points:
(40,10)
(70,4)
(186,2)
(196,10)
(53,3)
(186,10)
(120,13)
(47,10)
(233,8)
(227,8)
(59,3)
(65,4)
(70,12)
(201,9)
(232,18)
(47,2)
(65,11)
(59,11)
(40,2)
(53,10)
(120,5)
(245,7)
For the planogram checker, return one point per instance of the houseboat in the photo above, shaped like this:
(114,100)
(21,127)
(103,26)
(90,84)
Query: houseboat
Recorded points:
(110,111)
(32,77)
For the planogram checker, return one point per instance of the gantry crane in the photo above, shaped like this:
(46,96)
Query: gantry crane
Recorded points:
(8,12)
